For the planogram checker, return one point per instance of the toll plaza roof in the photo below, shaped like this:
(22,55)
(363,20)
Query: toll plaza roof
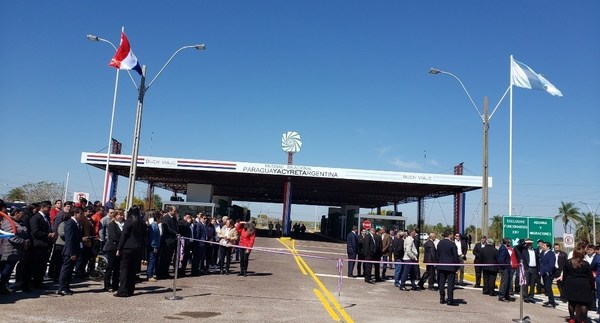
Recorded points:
(311,185)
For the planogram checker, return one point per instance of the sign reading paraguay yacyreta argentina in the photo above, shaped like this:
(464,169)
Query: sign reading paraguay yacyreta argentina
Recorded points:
(285,170)
(521,227)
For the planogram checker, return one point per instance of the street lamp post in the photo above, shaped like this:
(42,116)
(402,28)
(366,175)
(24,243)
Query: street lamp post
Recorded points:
(138,119)
(485,118)
(593,221)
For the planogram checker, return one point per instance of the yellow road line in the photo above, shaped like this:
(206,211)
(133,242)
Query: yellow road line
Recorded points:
(324,300)
(332,299)
(295,258)
(328,307)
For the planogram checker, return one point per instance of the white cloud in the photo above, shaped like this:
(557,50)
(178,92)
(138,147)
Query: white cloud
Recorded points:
(406,165)
(381,151)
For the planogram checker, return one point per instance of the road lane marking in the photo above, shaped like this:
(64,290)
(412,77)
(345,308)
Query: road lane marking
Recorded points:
(325,290)
(295,257)
(325,303)
(328,297)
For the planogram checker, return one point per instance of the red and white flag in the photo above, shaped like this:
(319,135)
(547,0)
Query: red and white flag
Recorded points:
(124,59)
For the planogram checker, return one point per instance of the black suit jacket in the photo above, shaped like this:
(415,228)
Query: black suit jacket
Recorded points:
(447,253)
(169,231)
(72,239)
(489,255)
(524,251)
(113,237)
(477,253)
(184,229)
(398,249)
(40,230)
(378,246)
(352,243)
(429,255)
(369,247)
(562,261)
(133,235)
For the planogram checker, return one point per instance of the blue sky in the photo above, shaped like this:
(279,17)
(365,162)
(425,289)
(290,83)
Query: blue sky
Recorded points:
(349,76)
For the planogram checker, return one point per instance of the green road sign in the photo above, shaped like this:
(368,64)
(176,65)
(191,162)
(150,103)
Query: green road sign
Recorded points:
(521,227)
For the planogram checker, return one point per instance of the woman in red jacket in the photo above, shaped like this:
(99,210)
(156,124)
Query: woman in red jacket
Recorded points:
(247,235)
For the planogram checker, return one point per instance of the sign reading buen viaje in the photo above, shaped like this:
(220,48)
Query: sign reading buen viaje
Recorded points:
(521,227)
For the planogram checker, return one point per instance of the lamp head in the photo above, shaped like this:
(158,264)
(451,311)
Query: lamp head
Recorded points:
(92,37)
(200,47)
(434,71)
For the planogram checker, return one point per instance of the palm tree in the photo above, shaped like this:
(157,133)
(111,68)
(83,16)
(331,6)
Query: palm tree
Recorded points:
(568,213)
(583,231)
(496,227)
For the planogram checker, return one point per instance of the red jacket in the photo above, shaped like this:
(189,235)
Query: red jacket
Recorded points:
(246,239)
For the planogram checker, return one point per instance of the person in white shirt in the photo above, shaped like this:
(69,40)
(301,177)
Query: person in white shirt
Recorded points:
(461,245)
(590,253)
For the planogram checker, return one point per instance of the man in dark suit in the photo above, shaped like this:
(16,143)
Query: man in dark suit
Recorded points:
(186,230)
(361,252)
(352,249)
(429,259)
(505,271)
(168,242)
(477,254)
(547,270)
(489,257)
(561,260)
(70,251)
(447,253)
(200,234)
(43,238)
(378,254)
(369,252)
(531,261)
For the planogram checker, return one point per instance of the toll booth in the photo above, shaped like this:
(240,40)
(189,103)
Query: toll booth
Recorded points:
(191,207)
(377,221)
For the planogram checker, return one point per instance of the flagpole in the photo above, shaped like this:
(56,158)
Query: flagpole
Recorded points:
(106,193)
(136,139)
(510,139)
(66,188)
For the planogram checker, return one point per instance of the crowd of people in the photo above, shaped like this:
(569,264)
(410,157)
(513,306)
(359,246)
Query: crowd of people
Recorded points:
(61,240)
(374,251)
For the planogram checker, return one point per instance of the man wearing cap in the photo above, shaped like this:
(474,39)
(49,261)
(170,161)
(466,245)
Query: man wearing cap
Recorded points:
(531,260)
(477,254)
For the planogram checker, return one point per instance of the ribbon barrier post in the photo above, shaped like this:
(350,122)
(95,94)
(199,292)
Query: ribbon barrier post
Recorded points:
(523,283)
(179,249)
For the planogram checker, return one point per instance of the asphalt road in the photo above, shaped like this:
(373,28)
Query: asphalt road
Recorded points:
(290,281)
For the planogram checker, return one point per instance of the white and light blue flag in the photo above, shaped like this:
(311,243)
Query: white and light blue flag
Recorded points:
(523,76)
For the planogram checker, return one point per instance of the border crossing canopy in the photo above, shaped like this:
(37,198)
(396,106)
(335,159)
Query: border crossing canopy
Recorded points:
(263,182)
